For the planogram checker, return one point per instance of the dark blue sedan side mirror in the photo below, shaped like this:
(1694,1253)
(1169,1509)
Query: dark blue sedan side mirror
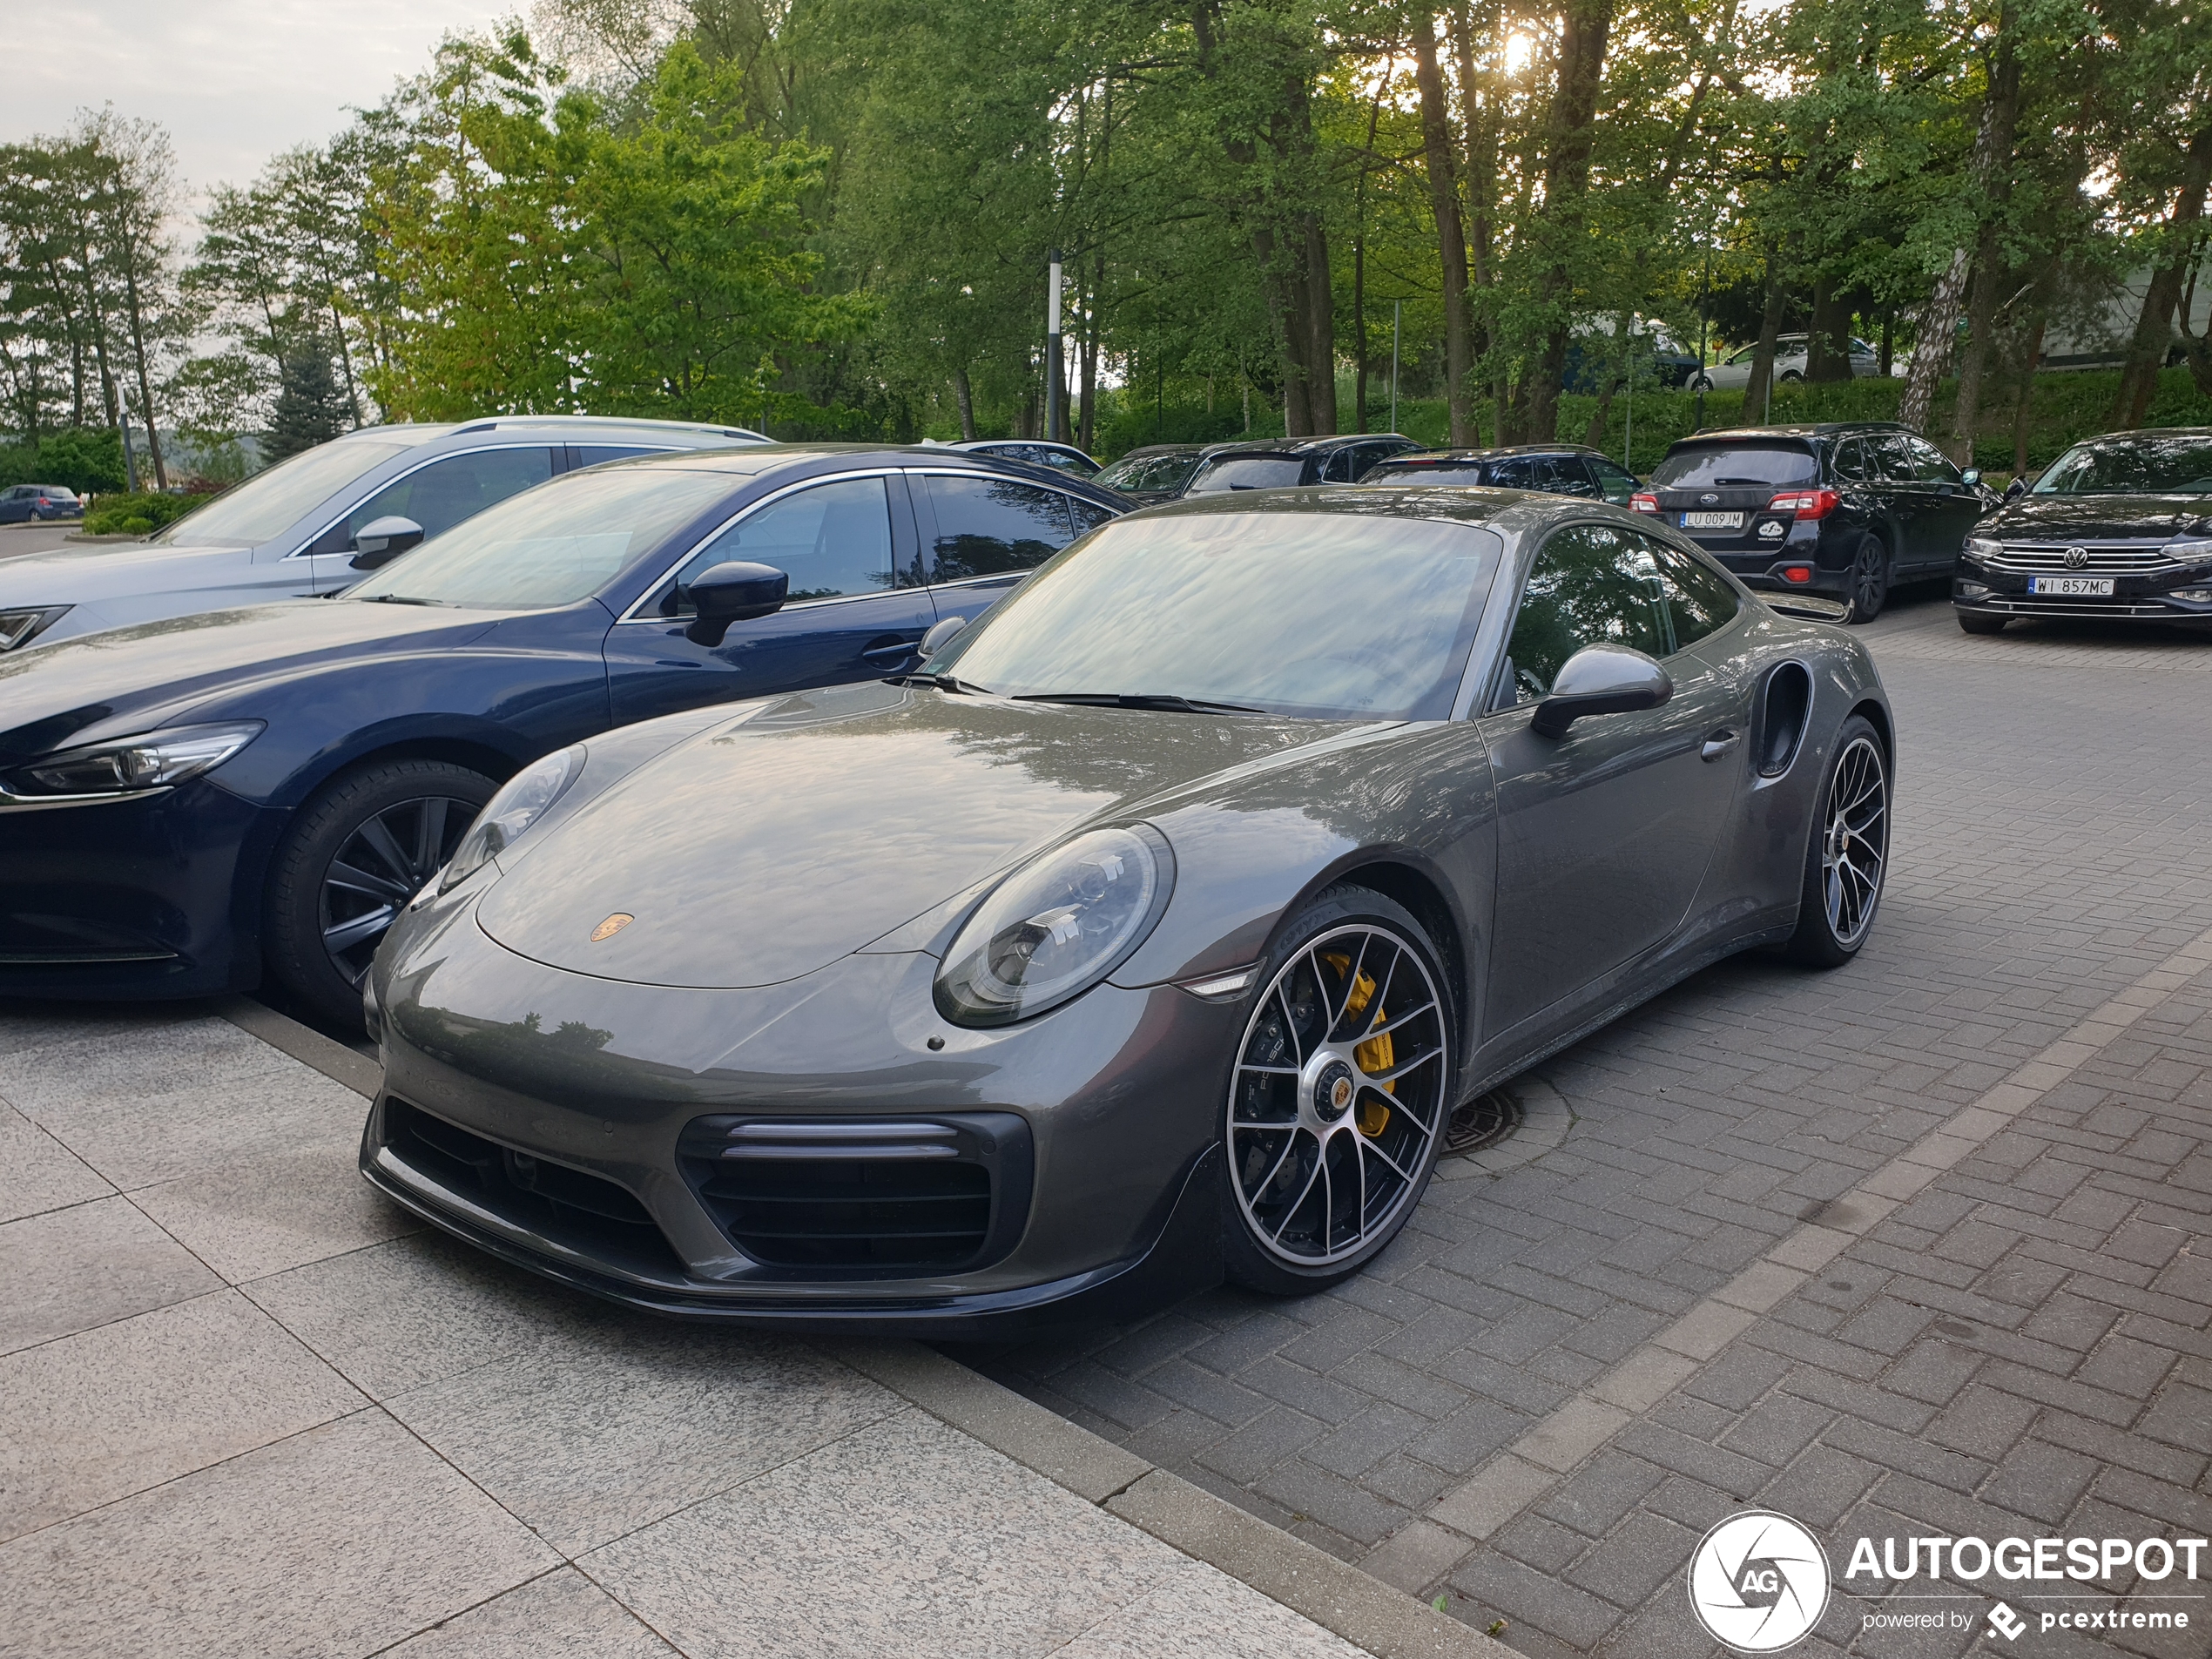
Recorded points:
(735,590)
(1601,679)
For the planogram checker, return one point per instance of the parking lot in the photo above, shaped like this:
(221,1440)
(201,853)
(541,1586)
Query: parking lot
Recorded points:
(1917,1246)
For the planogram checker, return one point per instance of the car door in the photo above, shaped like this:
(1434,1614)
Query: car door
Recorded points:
(985,533)
(1896,482)
(1604,834)
(437,495)
(1949,506)
(856,610)
(1616,484)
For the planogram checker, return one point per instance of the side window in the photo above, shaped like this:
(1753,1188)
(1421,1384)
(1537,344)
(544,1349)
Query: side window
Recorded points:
(1563,475)
(1088,515)
(1338,469)
(989,526)
(1849,463)
(440,496)
(1894,459)
(1699,600)
(1516,474)
(1615,484)
(590,455)
(1930,465)
(1590,584)
(832,540)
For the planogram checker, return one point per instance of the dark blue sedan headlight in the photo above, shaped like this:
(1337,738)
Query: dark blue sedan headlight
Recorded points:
(1057,926)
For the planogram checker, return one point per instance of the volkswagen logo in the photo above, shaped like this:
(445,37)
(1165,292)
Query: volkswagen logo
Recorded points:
(1706,499)
(1758,1582)
(2076,557)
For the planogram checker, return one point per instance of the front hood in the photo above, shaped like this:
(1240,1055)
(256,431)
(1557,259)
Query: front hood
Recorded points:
(761,851)
(2102,518)
(86,576)
(123,680)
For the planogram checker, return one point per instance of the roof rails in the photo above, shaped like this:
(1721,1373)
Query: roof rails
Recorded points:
(499,421)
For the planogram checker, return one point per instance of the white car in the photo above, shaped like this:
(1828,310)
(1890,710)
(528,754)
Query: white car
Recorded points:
(1734,373)
(315,523)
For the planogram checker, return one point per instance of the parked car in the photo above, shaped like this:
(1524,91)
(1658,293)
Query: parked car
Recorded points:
(1156,473)
(2118,528)
(300,527)
(1792,353)
(1552,468)
(24,503)
(1844,508)
(1593,358)
(1037,452)
(1155,928)
(184,802)
(1278,463)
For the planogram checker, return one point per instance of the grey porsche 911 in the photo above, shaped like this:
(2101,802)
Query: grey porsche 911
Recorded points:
(1151,932)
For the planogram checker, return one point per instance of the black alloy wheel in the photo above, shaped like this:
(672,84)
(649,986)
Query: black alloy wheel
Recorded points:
(1870,580)
(363,845)
(1339,1096)
(1974,625)
(1847,852)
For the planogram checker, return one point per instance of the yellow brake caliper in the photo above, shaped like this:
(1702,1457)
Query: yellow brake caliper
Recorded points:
(1376,1053)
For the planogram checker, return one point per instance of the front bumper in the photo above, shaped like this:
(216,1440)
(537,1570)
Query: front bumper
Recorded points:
(1984,591)
(598,1092)
(155,897)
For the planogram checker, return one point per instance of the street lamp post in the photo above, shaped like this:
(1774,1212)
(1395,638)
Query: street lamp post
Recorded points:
(1396,317)
(1055,415)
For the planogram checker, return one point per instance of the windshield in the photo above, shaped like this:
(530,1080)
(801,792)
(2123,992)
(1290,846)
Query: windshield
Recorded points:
(1754,465)
(1149,472)
(1326,616)
(2144,466)
(552,545)
(1249,472)
(271,502)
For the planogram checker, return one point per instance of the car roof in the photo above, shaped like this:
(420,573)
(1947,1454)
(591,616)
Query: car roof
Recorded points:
(1482,506)
(1305,445)
(1494,454)
(2147,433)
(569,425)
(1807,429)
(755,459)
(1166,450)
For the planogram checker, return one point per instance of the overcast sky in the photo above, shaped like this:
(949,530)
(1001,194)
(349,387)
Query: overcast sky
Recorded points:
(234,81)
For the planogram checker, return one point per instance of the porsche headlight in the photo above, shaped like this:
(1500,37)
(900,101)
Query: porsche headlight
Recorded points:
(21,627)
(1057,926)
(128,765)
(508,816)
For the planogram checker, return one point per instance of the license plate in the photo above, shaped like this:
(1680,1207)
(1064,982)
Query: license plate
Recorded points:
(2070,587)
(1712,521)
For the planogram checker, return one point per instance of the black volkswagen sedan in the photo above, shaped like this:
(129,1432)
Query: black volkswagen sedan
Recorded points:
(2119,528)
(1845,509)
(187,802)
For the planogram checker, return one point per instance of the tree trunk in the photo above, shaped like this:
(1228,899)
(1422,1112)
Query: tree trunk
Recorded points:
(964,394)
(1932,334)
(1321,326)
(2002,102)
(1758,390)
(1359,342)
(2024,409)
(1451,240)
(1481,171)
(2196,349)
(2154,335)
(1828,348)
(1585,29)
(1087,423)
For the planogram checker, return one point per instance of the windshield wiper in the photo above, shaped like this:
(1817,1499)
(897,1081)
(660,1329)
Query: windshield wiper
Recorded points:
(1166,701)
(942,682)
(396,599)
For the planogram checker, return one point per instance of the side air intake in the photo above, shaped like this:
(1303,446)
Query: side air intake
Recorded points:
(1783,708)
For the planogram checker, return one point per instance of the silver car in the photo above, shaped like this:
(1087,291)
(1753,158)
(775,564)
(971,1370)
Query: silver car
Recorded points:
(1791,354)
(313,524)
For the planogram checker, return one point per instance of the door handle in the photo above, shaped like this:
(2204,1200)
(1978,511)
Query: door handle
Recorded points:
(1720,743)
(890,649)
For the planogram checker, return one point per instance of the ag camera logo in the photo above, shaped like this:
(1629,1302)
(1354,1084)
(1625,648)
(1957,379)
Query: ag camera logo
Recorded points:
(1758,1582)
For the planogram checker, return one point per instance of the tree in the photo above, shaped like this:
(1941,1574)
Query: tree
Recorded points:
(310,408)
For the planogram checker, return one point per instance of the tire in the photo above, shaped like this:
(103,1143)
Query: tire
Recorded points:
(1868,588)
(1847,852)
(1790,377)
(1974,625)
(395,822)
(1341,1111)
(1702,383)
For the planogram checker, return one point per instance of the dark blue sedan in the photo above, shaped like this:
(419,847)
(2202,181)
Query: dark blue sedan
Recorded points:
(187,803)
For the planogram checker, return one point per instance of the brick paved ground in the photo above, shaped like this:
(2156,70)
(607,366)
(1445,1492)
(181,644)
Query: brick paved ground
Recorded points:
(2023,1347)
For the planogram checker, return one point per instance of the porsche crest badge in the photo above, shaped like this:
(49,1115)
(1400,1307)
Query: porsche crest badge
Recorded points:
(612,926)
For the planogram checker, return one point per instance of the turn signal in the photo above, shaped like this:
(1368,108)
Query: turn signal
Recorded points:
(1644,503)
(1806,503)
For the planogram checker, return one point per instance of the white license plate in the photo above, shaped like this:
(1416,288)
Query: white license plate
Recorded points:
(2070,587)
(1712,521)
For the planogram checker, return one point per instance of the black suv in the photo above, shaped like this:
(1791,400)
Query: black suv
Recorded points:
(1283,463)
(1843,509)
(1555,468)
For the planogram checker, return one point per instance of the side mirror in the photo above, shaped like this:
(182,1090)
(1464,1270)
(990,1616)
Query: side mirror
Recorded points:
(1601,679)
(735,590)
(1971,476)
(940,636)
(383,540)
(2015,490)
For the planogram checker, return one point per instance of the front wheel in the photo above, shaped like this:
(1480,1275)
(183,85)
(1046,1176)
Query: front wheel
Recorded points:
(1847,852)
(363,845)
(1339,1097)
(1870,580)
(1703,383)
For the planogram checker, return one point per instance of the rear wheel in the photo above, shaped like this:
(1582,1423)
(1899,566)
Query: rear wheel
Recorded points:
(1870,580)
(1847,853)
(364,845)
(1338,1098)
(1702,383)
(1974,625)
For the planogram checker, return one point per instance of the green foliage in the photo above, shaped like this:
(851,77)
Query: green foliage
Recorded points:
(85,459)
(138,514)
(310,409)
